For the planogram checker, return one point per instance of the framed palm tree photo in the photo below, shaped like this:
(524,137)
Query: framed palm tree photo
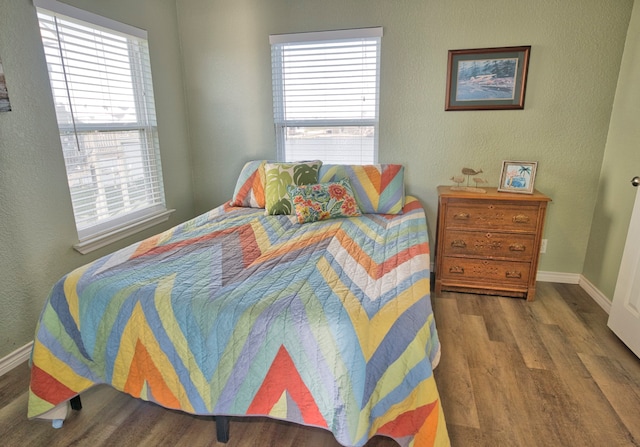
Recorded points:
(5,105)
(518,176)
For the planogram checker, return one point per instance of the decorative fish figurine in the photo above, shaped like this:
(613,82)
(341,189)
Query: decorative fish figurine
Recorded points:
(469,171)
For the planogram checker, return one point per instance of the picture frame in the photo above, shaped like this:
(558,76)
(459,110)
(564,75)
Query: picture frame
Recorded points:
(5,104)
(518,176)
(487,78)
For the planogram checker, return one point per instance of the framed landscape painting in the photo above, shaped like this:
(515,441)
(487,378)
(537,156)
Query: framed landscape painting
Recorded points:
(487,78)
(5,105)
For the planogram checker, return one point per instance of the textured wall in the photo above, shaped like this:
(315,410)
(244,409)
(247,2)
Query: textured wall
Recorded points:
(224,49)
(576,51)
(37,228)
(621,163)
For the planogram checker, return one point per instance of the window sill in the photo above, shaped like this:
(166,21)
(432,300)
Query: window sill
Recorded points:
(101,240)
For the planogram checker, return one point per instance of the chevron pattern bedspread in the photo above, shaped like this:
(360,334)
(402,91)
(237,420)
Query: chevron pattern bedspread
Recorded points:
(325,324)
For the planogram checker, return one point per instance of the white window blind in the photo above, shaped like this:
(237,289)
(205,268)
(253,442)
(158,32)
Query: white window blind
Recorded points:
(325,95)
(101,84)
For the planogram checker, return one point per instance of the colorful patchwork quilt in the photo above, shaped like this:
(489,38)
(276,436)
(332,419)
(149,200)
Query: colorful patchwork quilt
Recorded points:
(325,324)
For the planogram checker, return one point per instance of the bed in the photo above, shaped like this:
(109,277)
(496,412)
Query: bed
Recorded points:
(239,312)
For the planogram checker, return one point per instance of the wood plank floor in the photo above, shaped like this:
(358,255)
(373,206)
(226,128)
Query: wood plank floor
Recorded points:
(513,373)
(541,373)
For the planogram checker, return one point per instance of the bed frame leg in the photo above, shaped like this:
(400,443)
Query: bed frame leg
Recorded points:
(76,403)
(222,429)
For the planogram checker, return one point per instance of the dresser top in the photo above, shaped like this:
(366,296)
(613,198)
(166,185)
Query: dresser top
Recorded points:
(491,194)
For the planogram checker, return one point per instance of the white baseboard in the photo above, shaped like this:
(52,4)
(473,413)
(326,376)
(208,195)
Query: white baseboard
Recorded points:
(576,278)
(594,293)
(563,278)
(17,357)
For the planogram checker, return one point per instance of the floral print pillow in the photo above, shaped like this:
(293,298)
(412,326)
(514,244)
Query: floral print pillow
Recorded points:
(323,201)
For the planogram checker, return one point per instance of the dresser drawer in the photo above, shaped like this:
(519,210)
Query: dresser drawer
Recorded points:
(512,246)
(492,215)
(466,269)
(488,243)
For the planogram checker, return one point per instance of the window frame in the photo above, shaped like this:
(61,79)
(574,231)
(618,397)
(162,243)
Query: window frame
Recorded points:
(152,210)
(281,123)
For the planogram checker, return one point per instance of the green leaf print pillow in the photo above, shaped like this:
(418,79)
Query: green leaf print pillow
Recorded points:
(279,176)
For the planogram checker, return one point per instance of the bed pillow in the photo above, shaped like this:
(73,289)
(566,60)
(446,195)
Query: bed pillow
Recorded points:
(323,201)
(280,175)
(378,189)
(249,191)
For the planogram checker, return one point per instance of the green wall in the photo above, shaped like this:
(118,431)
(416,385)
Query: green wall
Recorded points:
(575,58)
(212,81)
(37,228)
(621,163)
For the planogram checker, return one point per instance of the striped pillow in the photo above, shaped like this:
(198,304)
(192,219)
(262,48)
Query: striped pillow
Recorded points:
(249,191)
(378,189)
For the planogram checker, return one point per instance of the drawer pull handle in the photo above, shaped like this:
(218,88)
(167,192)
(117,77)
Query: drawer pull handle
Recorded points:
(456,269)
(461,216)
(520,218)
(517,247)
(513,274)
(458,243)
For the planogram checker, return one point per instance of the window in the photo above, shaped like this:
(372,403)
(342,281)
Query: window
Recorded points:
(325,95)
(101,84)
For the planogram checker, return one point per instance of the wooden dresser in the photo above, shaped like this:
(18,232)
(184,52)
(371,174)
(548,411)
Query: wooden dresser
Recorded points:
(489,243)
